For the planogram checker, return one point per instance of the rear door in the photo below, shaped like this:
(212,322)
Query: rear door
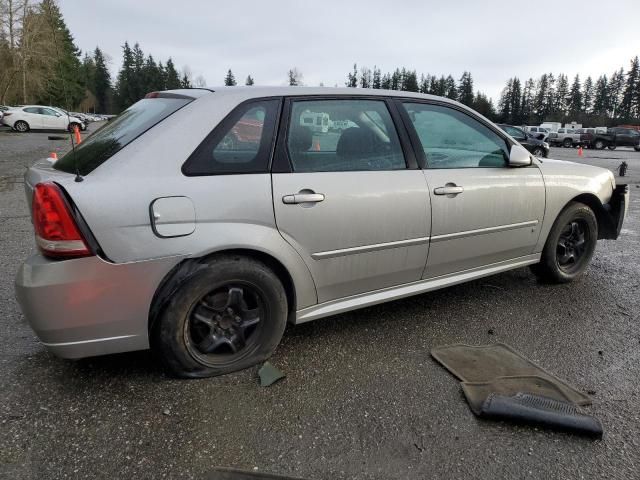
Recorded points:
(33,117)
(483,212)
(351,201)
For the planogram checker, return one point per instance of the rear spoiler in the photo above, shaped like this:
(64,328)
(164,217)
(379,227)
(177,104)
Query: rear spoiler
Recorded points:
(184,93)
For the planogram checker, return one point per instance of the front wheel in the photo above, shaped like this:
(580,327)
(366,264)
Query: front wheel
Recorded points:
(569,246)
(599,145)
(538,152)
(567,143)
(73,126)
(611,147)
(637,149)
(228,314)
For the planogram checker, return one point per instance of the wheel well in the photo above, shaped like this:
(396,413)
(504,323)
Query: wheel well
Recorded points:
(183,269)
(602,216)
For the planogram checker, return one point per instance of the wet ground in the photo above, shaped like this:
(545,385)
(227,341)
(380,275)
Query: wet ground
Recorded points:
(362,398)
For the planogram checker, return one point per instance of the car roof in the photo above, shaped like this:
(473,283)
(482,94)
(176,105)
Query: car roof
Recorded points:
(261,92)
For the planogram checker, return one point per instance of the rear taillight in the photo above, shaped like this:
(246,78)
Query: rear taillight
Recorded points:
(57,234)
(6,114)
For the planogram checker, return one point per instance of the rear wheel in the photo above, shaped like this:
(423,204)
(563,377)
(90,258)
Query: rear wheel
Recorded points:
(538,152)
(567,143)
(569,246)
(21,126)
(228,314)
(599,145)
(637,149)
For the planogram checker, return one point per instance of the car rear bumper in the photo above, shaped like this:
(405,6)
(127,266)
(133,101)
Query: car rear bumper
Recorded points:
(86,306)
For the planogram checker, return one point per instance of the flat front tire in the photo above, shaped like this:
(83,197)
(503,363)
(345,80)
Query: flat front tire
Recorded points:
(569,246)
(228,314)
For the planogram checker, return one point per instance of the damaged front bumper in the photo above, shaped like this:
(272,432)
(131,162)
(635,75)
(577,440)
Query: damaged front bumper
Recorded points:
(615,213)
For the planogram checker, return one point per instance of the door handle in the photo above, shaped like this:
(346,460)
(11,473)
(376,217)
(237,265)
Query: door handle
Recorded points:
(448,189)
(303,198)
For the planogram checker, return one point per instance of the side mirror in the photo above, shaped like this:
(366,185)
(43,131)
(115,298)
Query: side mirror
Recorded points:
(519,156)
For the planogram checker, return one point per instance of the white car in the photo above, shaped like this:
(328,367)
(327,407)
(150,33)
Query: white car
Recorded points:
(38,117)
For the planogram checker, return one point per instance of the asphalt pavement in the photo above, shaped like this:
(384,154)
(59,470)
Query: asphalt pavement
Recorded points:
(362,398)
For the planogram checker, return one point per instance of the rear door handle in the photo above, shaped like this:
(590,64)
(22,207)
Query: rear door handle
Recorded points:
(303,198)
(448,190)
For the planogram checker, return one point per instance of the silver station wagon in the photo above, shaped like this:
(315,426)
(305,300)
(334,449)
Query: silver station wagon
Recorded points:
(199,222)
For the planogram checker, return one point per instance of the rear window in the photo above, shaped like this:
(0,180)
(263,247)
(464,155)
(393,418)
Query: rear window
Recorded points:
(118,133)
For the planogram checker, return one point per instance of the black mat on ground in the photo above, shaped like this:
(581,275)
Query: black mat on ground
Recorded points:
(485,363)
(541,411)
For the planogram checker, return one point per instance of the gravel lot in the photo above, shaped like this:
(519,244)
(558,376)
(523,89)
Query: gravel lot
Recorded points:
(362,398)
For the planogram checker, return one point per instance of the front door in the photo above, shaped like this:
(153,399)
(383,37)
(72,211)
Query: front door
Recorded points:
(354,210)
(483,211)
(53,120)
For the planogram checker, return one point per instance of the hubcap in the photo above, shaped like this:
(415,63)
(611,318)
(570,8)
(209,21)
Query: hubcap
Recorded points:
(224,322)
(572,244)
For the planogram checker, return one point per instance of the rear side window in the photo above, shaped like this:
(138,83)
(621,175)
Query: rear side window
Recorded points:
(32,110)
(118,133)
(344,135)
(241,143)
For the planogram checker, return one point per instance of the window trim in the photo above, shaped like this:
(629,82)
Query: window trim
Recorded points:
(226,124)
(415,139)
(281,160)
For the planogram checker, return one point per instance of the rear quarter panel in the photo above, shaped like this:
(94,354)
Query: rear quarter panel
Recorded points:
(232,211)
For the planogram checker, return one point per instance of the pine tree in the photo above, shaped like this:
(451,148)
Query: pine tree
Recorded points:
(385,82)
(229,79)
(396,80)
(540,98)
(64,87)
(439,87)
(484,106)
(550,99)
(562,97)
(410,83)
(102,82)
(505,103)
(516,98)
(249,81)
(365,77)
(601,97)
(377,80)
(526,105)
(587,95)
(424,84)
(352,78)
(629,107)
(126,95)
(465,90)
(450,88)
(185,81)
(616,85)
(137,79)
(172,79)
(295,77)
(88,73)
(575,97)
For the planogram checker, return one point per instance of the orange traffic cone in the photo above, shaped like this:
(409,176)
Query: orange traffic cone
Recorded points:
(76,132)
(53,156)
(316,145)
(580,151)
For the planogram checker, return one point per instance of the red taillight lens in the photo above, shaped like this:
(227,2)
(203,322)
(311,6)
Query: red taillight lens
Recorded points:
(57,234)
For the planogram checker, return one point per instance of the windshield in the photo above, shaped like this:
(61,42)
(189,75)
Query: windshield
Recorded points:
(118,133)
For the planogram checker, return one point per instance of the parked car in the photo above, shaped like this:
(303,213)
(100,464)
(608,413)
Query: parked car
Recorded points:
(527,140)
(206,262)
(614,137)
(540,133)
(38,117)
(565,137)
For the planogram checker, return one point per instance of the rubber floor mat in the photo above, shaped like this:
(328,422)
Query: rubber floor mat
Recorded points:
(542,411)
(478,392)
(485,363)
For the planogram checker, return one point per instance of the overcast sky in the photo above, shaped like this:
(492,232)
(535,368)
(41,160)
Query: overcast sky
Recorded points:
(494,39)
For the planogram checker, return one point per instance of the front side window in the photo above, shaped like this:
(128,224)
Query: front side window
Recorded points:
(32,110)
(48,111)
(240,144)
(452,139)
(344,135)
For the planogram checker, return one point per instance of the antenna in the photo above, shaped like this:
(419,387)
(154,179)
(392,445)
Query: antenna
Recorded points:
(66,97)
